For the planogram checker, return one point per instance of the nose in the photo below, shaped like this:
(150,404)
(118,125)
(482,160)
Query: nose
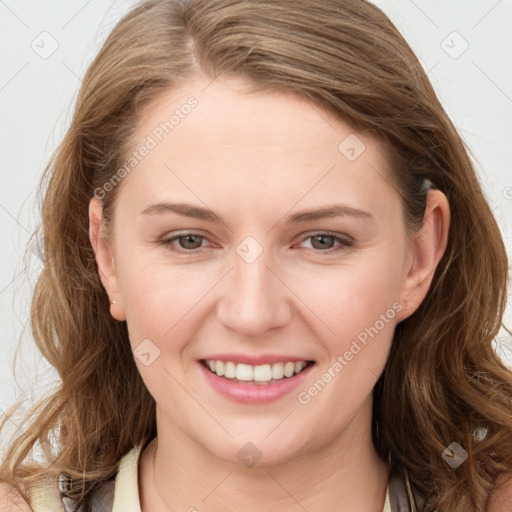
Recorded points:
(254,298)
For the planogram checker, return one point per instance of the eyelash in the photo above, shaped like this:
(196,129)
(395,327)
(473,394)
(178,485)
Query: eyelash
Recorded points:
(345,242)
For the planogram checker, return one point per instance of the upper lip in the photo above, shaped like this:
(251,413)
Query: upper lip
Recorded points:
(255,360)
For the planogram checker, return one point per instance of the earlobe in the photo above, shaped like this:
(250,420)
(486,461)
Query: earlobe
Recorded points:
(104,259)
(427,248)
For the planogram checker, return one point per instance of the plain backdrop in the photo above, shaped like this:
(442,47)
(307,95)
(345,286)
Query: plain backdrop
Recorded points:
(46,46)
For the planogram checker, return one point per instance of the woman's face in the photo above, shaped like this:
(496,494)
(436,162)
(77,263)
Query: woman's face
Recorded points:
(257,230)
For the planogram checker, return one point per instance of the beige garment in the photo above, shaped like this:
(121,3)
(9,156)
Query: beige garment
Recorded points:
(126,497)
(45,497)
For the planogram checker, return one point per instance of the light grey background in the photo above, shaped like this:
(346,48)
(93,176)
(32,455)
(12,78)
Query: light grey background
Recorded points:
(46,46)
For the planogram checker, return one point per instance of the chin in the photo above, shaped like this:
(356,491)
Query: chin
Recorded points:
(257,451)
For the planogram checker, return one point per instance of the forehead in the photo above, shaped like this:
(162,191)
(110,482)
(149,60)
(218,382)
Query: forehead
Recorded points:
(222,135)
(227,110)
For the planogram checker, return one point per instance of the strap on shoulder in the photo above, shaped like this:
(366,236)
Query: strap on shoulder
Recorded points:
(103,499)
(100,501)
(402,496)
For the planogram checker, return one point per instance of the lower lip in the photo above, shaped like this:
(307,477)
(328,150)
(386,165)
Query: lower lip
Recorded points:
(251,393)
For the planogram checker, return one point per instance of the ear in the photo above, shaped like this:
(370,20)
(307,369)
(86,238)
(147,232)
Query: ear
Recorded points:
(105,258)
(427,248)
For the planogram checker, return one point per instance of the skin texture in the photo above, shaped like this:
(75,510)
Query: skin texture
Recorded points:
(11,501)
(255,158)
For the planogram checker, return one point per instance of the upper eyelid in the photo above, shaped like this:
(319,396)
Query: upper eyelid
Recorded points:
(307,234)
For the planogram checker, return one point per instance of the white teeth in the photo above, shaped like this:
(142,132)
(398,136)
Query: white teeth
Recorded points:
(277,371)
(263,373)
(219,368)
(244,372)
(260,373)
(230,370)
(289,369)
(300,366)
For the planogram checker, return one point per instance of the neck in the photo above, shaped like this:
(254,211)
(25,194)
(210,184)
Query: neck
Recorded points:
(345,475)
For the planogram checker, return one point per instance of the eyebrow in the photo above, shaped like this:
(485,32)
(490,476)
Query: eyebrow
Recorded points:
(197,212)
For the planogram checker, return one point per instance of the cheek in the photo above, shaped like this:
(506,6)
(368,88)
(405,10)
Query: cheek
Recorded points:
(360,306)
(159,297)
(351,297)
(159,302)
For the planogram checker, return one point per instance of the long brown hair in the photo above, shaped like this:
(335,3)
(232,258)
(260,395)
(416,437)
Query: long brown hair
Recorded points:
(443,380)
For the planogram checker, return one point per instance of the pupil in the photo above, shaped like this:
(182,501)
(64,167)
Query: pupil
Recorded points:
(187,239)
(321,237)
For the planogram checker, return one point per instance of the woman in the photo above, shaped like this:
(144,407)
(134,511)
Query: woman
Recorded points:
(303,274)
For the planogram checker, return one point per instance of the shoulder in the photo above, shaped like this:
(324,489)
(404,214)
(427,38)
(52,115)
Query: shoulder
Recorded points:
(11,500)
(51,494)
(500,499)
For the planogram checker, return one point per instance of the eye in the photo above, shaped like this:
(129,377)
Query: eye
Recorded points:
(187,242)
(190,242)
(324,241)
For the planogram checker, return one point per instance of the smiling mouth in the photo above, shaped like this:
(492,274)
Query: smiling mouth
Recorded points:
(260,374)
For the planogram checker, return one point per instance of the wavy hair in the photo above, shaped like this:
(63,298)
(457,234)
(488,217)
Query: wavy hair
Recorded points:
(443,381)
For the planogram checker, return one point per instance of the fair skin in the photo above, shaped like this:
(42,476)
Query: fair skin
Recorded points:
(254,159)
